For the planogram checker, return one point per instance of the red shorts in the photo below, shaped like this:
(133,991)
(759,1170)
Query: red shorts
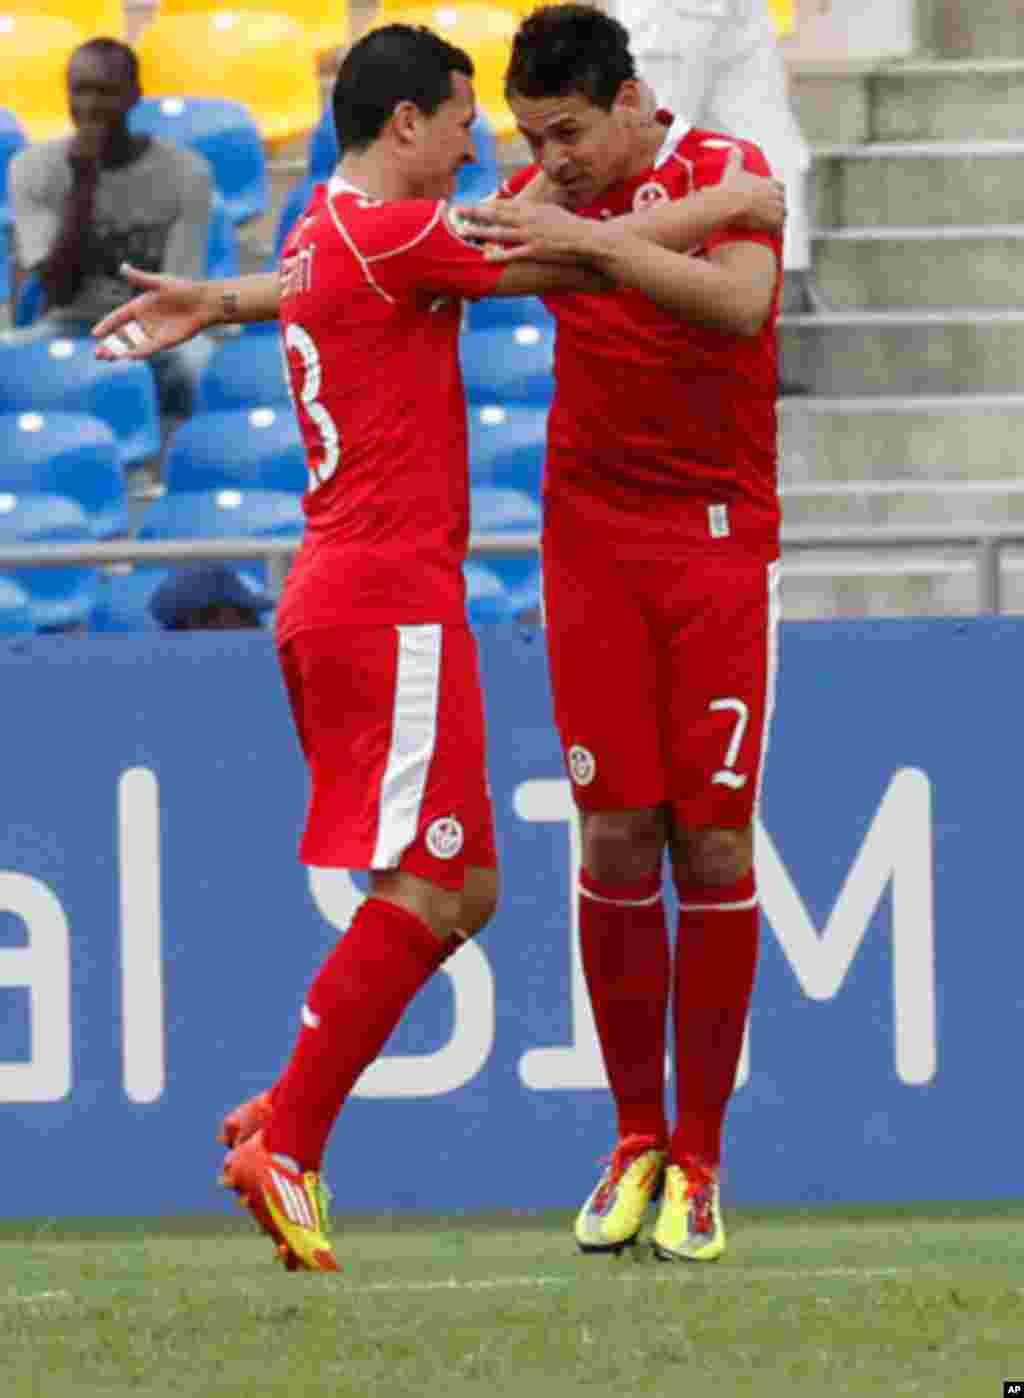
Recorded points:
(391,721)
(663,675)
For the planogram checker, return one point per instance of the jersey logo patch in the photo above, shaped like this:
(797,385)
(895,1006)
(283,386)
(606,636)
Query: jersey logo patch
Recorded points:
(649,194)
(582,765)
(444,837)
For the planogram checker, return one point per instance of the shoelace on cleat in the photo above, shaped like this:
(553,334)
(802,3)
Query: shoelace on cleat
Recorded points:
(618,1163)
(699,1194)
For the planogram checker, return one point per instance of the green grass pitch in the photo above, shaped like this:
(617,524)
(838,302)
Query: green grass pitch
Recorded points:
(923,1301)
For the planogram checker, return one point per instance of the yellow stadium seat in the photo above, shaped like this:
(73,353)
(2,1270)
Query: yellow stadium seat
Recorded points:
(34,53)
(265,61)
(95,18)
(327,21)
(486,33)
(783,16)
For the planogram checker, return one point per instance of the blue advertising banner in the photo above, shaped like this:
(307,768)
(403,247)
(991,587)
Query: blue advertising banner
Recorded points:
(157,935)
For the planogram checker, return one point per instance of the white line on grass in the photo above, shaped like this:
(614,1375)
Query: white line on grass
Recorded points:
(35,1296)
(673,1274)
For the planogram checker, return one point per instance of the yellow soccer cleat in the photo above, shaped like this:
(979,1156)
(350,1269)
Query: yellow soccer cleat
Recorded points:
(614,1212)
(689,1226)
(289,1206)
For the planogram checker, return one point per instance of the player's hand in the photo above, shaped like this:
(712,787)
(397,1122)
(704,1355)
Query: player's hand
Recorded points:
(765,200)
(169,311)
(541,232)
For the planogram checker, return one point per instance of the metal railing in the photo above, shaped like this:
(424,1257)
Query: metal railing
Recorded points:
(984,543)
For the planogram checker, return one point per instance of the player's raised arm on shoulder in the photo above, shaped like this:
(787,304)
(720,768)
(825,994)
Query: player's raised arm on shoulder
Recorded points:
(171,310)
(755,202)
(535,230)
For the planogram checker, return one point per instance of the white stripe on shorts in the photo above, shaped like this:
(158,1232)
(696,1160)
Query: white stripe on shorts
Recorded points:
(413,737)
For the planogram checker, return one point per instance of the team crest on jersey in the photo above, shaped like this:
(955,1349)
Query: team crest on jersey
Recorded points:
(582,766)
(444,837)
(650,194)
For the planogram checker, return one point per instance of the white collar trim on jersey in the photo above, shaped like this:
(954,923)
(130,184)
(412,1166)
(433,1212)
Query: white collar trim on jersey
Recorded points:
(673,136)
(338,184)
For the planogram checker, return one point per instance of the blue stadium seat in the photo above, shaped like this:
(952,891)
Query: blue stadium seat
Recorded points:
(298,197)
(66,454)
(509,310)
(487,597)
(226,514)
(225,134)
(499,511)
(121,600)
(222,246)
(258,447)
(15,609)
(506,445)
(322,151)
(61,374)
(5,263)
(31,300)
(508,362)
(58,597)
(12,138)
(244,371)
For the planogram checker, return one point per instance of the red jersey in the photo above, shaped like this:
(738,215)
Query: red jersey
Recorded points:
(370,316)
(662,432)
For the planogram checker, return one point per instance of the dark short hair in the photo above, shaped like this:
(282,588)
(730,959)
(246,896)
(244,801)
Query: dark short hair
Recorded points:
(570,48)
(397,63)
(111,49)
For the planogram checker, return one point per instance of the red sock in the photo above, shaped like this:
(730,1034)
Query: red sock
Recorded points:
(716,955)
(624,946)
(352,1007)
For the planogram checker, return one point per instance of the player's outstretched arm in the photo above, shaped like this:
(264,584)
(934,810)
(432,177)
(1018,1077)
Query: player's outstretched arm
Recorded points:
(171,310)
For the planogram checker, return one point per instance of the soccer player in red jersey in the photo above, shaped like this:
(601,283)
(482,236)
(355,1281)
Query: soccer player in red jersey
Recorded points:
(661,518)
(378,661)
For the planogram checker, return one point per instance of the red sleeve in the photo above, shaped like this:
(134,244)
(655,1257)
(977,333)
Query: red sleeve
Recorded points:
(420,251)
(710,169)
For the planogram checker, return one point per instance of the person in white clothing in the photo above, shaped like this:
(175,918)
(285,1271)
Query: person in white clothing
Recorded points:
(716,64)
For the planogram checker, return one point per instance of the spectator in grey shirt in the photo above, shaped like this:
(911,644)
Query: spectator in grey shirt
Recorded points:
(85,204)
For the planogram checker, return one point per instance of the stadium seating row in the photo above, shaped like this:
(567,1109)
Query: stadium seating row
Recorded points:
(58,597)
(265,56)
(244,429)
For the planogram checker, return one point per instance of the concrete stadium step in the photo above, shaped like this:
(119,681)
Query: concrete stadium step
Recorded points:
(971,28)
(921,267)
(977,436)
(859,503)
(978,101)
(857,102)
(825,586)
(918,183)
(912,351)
(846,585)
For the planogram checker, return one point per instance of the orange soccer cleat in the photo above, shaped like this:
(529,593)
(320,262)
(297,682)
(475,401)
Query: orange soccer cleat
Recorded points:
(289,1205)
